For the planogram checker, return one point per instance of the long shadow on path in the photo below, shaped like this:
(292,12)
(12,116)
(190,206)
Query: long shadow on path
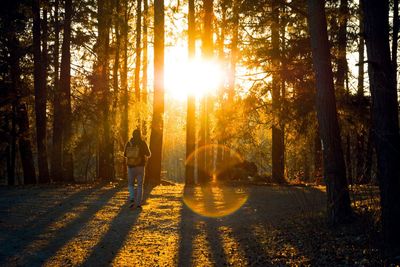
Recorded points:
(186,233)
(248,237)
(44,241)
(112,241)
(15,242)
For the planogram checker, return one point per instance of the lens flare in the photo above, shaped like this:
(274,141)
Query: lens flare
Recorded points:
(219,160)
(215,199)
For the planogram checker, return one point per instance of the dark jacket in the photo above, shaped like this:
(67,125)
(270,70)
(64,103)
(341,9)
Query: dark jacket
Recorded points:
(144,151)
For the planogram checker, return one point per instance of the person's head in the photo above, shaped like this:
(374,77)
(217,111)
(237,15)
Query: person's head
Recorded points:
(136,135)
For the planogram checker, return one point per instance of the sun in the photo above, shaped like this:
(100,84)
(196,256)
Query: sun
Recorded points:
(197,77)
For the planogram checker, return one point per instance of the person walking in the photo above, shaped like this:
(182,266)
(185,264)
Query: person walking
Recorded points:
(136,153)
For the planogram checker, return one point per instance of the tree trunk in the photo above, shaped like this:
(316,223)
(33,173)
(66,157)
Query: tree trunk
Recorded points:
(15,74)
(361,44)
(106,166)
(46,177)
(342,43)
(115,93)
(40,94)
(207,52)
(20,118)
(124,79)
(384,117)
(234,50)
(395,38)
(138,51)
(25,147)
(278,159)
(65,89)
(191,102)
(145,65)
(12,152)
(339,209)
(360,156)
(366,178)
(56,155)
(222,88)
(349,164)
(124,74)
(317,158)
(153,170)
(116,57)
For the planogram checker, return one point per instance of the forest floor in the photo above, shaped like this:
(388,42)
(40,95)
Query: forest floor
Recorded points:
(242,225)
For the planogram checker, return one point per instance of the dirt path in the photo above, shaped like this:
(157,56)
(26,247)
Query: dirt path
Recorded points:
(93,226)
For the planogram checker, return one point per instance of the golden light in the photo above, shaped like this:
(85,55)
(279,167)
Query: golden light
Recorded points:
(215,199)
(197,77)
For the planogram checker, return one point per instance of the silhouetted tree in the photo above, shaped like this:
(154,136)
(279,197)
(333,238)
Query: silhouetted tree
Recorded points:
(138,51)
(65,100)
(106,163)
(153,169)
(56,153)
(191,101)
(13,21)
(124,71)
(204,131)
(40,91)
(145,63)
(385,117)
(339,209)
(278,143)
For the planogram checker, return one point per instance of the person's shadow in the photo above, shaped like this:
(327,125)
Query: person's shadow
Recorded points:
(113,240)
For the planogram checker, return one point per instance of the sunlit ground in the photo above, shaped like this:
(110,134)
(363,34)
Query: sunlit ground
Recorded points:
(92,226)
(214,200)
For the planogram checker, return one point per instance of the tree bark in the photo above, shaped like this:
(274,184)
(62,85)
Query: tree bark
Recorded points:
(106,164)
(153,169)
(234,50)
(124,74)
(115,93)
(349,164)
(13,146)
(124,79)
(13,61)
(362,154)
(222,88)
(40,94)
(20,120)
(145,64)
(361,44)
(207,52)
(342,43)
(366,178)
(395,38)
(116,56)
(278,155)
(339,209)
(25,147)
(138,52)
(317,157)
(384,117)
(191,102)
(65,89)
(56,155)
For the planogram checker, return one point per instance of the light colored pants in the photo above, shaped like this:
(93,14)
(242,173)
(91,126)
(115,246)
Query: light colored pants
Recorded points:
(133,173)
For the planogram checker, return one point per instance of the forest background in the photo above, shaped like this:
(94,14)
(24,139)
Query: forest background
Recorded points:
(220,89)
